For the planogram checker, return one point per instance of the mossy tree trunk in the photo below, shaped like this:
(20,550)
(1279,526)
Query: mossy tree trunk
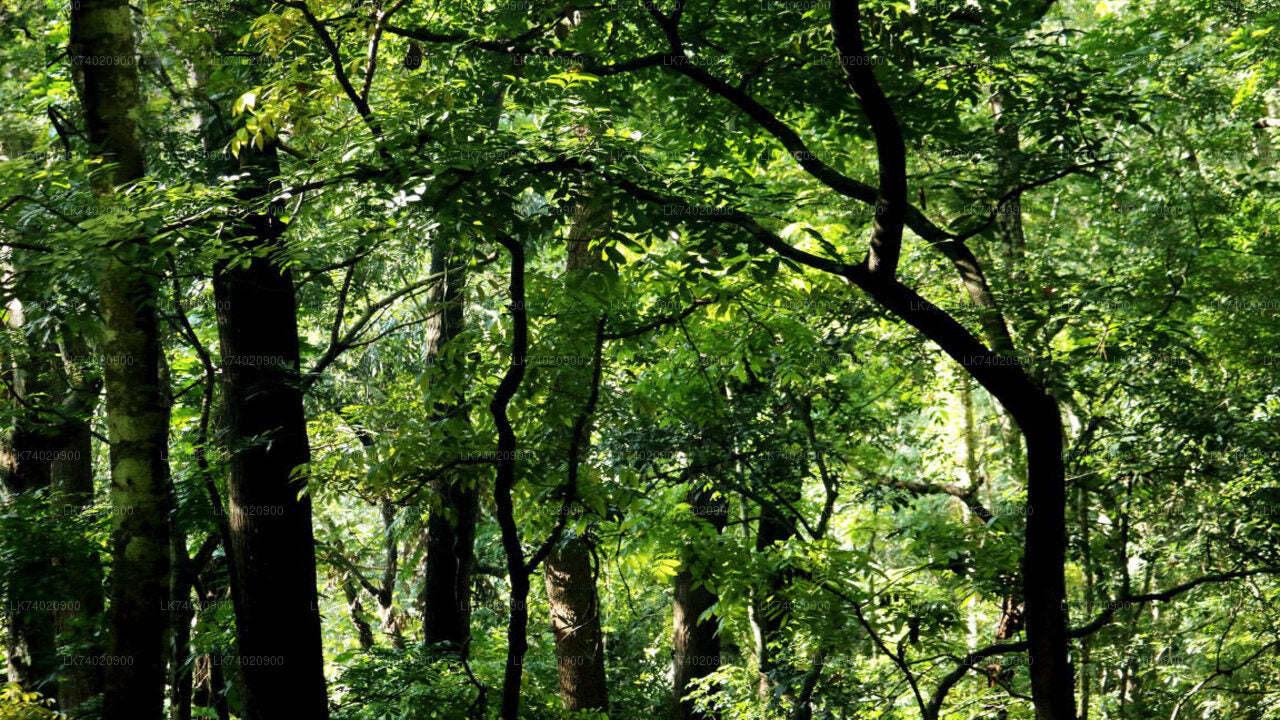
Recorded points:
(104,58)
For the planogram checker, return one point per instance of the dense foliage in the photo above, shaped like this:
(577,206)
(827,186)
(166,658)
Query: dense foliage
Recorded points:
(602,328)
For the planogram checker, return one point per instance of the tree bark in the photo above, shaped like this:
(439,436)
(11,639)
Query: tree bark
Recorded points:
(351,591)
(103,53)
(25,467)
(49,450)
(517,573)
(269,541)
(180,616)
(695,643)
(212,688)
(72,480)
(450,555)
(575,620)
(568,570)
(273,546)
(1001,373)
(451,529)
(768,612)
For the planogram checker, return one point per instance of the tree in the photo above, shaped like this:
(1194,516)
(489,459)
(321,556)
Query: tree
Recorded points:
(272,544)
(784,329)
(696,640)
(575,391)
(103,54)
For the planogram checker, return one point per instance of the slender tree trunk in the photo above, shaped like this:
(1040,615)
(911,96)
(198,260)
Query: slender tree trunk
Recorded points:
(1035,411)
(517,573)
(183,612)
(768,609)
(695,642)
(46,450)
(1044,586)
(1086,550)
(273,546)
(804,701)
(180,615)
(351,591)
(30,648)
(1009,168)
(103,53)
(211,690)
(451,530)
(72,479)
(769,606)
(50,449)
(450,555)
(1046,540)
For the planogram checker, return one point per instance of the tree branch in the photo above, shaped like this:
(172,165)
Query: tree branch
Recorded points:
(891,150)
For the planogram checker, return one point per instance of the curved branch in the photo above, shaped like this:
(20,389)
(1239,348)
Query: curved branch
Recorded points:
(517,643)
(576,440)
(891,150)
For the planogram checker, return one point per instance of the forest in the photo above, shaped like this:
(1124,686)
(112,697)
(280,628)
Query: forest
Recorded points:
(631,359)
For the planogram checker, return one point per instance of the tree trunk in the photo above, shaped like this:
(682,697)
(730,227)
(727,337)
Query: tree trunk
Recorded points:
(450,553)
(182,612)
(1009,169)
(768,610)
(568,570)
(50,449)
(211,686)
(273,547)
(1044,555)
(72,480)
(103,53)
(695,643)
(575,620)
(30,648)
(268,540)
(1000,372)
(180,681)
(504,483)
(451,529)
(351,591)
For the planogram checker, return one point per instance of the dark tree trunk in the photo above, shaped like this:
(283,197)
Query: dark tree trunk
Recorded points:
(1044,586)
(30,647)
(182,612)
(268,540)
(273,547)
(211,688)
(769,607)
(181,615)
(48,450)
(450,554)
(451,530)
(504,483)
(102,53)
(1000,372)
(695,643)
(351,590)
(72,479)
